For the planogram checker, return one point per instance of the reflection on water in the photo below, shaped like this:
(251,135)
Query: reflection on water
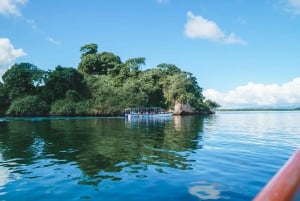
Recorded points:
(4,174)
(205,191)
(144,120)
(100,147)
(227,156)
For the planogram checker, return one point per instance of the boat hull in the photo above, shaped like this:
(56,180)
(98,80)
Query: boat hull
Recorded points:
(149,115)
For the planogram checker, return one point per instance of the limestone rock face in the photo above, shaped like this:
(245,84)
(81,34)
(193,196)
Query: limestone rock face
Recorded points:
(181,108)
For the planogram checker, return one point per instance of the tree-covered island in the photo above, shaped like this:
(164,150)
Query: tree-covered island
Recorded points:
(101,85)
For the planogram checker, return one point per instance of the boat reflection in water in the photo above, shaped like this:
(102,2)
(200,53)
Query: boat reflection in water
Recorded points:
(148,120)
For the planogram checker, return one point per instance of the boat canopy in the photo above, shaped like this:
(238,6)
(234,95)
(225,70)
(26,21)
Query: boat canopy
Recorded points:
(144,110)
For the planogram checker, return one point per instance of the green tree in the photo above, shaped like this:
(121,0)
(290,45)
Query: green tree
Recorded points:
(28,106)
(22,79)
(134,65)
(181,87)
(91,48)
(71,105)
(90,64)
(212,104)
(121,75)
(169,69)
(174,89)
(61,80)
(132,94)
(105,97)
(109,62)
(110,99)
(3,99)
(98,63)
(150,84)
(102,85)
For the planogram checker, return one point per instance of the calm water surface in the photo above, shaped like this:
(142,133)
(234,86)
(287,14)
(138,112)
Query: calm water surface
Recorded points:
(226,156)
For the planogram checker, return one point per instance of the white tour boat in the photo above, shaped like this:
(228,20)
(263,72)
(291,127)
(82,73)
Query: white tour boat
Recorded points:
(146,112)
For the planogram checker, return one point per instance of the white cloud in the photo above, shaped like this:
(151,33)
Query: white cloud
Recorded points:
(232,39)
(258,95)
(8,54)
(11,7)
(199,27)
(293,6)
(53,41)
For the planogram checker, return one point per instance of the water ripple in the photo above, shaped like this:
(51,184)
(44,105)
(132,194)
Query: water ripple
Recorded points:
(227,156)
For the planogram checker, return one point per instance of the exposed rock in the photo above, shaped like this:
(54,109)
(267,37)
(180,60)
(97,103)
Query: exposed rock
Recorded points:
(181,109)
(186,109)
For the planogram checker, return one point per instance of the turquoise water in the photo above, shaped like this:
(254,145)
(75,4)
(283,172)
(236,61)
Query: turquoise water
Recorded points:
(226,156)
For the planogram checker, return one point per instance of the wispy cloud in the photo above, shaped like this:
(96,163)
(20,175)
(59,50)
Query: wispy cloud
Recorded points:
(293,6)
(232,39)
(32,23)
(53,41)
(11,7)
(197,27)
(8,54)
(258,95)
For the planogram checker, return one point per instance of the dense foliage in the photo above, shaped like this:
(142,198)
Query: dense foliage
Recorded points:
(102,85)
(28,106)
(22,79)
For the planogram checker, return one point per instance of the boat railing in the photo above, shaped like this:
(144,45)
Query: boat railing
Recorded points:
(285,185)
(145,110)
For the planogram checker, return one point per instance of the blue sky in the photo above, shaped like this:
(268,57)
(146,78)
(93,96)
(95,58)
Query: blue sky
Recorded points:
(243,52)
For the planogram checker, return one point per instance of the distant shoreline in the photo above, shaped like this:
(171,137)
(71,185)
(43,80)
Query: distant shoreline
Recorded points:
(261,109)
